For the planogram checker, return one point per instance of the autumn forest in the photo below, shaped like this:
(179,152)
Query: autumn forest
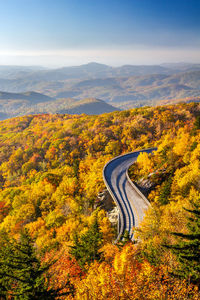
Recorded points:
(57,243)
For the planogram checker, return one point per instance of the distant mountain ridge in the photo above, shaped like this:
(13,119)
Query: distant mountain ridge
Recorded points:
(16,104)
(125,87)
(20,79)
(138,90)
(31,97)
(90,70)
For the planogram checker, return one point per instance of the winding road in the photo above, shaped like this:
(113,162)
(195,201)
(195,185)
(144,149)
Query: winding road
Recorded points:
(131,202)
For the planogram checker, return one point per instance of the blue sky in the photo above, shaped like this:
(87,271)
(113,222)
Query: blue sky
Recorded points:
(71,32)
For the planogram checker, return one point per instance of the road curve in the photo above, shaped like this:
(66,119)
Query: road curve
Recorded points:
(131,202)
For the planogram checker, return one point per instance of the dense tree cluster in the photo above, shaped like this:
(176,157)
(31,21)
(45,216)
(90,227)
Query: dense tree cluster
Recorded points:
(50,175)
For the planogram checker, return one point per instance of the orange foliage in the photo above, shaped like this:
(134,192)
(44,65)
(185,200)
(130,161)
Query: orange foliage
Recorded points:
(50,175)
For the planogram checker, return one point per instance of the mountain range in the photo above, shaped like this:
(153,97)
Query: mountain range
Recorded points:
(67,88)
(17,104)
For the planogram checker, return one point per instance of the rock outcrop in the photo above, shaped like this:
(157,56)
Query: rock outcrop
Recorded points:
(105,201)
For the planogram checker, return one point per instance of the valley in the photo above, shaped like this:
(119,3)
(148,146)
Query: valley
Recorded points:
(95,88)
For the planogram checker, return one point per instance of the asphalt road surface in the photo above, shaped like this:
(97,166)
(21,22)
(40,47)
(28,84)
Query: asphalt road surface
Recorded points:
(132,204)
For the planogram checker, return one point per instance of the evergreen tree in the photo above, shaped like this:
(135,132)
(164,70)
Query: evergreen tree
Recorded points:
(22,275)
(165,191)
(187,248)
(86,247)
(197,123)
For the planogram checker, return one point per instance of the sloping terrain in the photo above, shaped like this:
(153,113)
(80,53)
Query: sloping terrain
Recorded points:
(31,97)
(125,87)
(20,79)
(50,179)
(146,89)
(12,105)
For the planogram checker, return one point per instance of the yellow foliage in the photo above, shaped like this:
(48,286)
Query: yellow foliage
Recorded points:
(55,218)
(182,142)
(122,259)
(91,181)
(109,250)
(36,228)
(132,281)
(8,223)
(145,163)
(188,175)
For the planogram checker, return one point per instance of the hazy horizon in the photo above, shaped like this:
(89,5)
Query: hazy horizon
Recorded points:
(40,66)
(112,58)
(66,33)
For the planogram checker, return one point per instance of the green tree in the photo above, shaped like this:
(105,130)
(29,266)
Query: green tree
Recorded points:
(165,191)
(86,247)
(187,248)
(197,123)
(22,275)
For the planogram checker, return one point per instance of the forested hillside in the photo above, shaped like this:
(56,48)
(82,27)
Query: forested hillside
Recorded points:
(54,244)
(20,104)
(126,87)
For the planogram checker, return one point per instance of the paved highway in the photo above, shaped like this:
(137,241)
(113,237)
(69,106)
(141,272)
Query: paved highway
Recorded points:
(131,202)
